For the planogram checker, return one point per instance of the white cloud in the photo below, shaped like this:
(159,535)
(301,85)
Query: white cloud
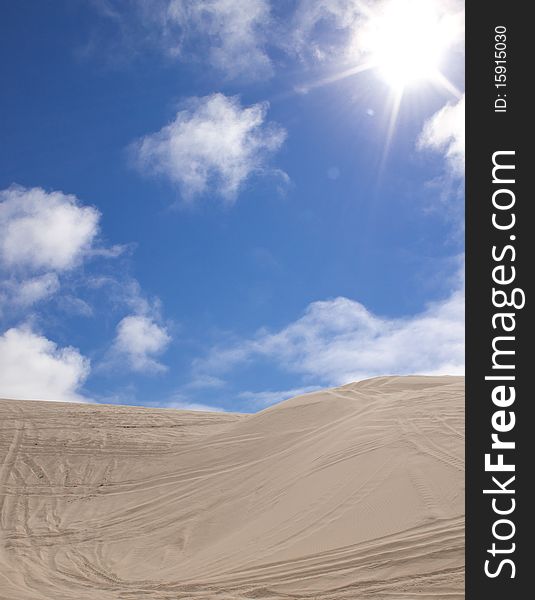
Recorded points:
(215,145)
(233,29)
(445,132)
(44,238)
(139,340)
(42,230)
(340,340)
(34,368)
(27,292)
(228,35)
(340,15)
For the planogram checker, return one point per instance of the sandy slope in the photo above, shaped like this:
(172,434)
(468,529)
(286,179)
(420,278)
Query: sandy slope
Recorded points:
(354,492)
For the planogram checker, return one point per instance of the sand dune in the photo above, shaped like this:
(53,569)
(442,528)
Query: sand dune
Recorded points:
(348,493)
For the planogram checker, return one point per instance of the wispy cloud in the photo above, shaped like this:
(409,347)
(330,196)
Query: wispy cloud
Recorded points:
(33,367)
(233,31)
(228,35)
(444,132)
(443,135)
(214,145)
(26,292)
(340,340)
(311,17)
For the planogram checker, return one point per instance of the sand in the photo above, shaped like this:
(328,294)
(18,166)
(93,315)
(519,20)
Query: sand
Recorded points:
(348,493)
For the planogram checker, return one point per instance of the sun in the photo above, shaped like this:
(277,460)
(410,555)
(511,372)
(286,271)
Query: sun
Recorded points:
(406,41)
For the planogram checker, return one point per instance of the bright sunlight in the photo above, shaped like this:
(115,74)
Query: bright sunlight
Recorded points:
(407,40)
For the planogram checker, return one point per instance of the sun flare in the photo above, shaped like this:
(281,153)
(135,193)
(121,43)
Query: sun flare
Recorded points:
(406,41)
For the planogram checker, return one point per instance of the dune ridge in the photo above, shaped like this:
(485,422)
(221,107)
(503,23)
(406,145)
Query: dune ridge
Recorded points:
(346,493)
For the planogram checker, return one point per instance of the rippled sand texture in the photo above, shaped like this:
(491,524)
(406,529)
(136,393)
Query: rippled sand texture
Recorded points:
(354,492)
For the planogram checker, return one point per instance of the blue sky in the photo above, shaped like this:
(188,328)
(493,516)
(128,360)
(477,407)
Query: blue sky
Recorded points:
(197,208)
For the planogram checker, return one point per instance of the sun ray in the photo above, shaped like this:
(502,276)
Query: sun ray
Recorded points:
(443,82)
(404,42)
(336,77)
(395,104)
